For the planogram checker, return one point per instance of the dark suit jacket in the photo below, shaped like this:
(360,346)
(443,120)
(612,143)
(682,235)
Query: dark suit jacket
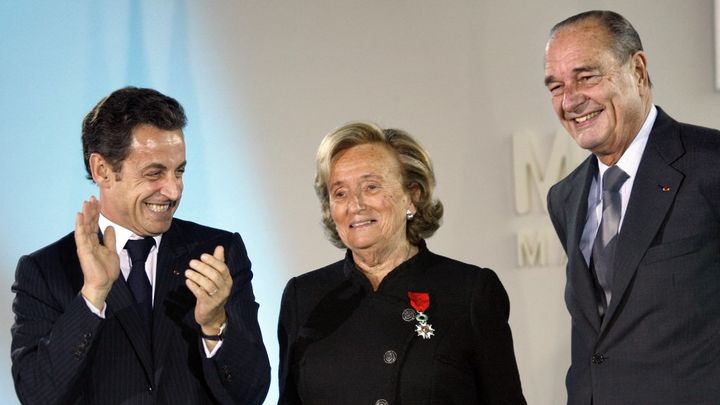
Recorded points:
(659,342)
(64,354)
(342,343)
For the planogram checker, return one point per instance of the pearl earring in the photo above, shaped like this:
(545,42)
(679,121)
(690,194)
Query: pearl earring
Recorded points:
(409,215)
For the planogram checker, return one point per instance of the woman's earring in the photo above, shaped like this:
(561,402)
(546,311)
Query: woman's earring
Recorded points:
(409,215)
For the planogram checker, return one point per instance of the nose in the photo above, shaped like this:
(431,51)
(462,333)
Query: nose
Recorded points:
(357,201)
(572,100)
(172,187)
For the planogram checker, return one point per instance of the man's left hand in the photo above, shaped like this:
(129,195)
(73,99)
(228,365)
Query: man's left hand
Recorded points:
(209,280)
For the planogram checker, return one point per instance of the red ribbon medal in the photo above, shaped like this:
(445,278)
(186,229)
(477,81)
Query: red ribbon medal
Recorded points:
(420,301)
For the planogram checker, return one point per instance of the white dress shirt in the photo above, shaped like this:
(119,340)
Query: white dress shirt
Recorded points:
(629,163)
(122,235)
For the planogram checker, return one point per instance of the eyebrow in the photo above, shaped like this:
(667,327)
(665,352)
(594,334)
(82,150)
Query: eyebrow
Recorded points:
(580,69)
(363,177)
(161,166)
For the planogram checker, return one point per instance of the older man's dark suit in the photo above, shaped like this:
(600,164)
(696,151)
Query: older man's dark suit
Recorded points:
(659,342)
(64,354)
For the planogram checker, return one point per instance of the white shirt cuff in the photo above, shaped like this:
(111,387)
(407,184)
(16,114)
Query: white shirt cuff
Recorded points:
(98,312)
(209,353)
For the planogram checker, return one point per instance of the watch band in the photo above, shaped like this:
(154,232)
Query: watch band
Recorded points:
(219,336)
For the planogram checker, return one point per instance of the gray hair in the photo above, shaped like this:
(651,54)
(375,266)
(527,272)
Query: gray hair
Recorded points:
(624,39)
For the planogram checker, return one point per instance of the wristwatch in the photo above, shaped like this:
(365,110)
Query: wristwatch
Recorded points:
(219,336)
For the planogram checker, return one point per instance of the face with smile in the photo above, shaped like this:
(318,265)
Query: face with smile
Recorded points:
(368,202)
(600,101)
(144,195)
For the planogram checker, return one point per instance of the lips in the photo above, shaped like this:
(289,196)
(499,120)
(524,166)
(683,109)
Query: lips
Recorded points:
(361,224)
(160,208)
(586,117)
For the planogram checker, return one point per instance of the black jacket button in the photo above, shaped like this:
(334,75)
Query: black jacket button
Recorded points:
(390,357)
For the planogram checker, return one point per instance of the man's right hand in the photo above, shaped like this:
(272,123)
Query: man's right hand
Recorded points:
(99,262)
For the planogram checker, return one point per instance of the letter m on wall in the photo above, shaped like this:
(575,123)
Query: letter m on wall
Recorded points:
(538,167)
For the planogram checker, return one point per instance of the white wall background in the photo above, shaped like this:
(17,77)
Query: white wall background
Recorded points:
(263,81)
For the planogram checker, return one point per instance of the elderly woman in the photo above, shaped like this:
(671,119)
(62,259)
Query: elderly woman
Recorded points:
(392,323)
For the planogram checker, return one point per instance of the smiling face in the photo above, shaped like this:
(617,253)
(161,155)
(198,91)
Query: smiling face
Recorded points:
(145,194)
(368,202)
(600,101)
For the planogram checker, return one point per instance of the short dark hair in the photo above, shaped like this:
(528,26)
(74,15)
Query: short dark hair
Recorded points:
(107,128)
(624,39)
(415,166)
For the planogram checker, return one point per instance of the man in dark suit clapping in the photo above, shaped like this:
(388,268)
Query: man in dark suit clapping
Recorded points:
(136,306)
(640,223)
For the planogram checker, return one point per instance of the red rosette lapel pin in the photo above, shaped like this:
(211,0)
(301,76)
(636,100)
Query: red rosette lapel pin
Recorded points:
(420,301)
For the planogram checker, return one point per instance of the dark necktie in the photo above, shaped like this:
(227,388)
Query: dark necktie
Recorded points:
(138,282)
(603,251)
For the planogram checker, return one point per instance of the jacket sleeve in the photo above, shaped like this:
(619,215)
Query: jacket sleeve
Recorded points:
(239,373)
(51,336)
(287,334)
(496,371)
(556,217)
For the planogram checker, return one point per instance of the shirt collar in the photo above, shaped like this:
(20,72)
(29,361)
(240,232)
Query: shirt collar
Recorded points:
(392,279)
(122,235)
(630,159)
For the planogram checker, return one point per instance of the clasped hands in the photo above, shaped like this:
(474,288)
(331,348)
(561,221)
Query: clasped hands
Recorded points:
(208,277)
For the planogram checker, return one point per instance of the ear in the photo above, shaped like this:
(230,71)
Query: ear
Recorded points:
(639,64)
(100,169)
(414,193)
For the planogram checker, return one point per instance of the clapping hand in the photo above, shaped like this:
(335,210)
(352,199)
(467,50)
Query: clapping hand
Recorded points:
(99,262)
(209,280)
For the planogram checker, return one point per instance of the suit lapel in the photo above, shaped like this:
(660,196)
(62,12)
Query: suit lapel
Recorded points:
(579,277)
(654,190)
(173,301)
(122,305)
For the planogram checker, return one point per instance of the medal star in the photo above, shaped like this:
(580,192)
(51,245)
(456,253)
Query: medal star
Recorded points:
(425,330)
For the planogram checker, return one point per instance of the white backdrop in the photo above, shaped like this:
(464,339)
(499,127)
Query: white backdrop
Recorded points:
(262,82)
